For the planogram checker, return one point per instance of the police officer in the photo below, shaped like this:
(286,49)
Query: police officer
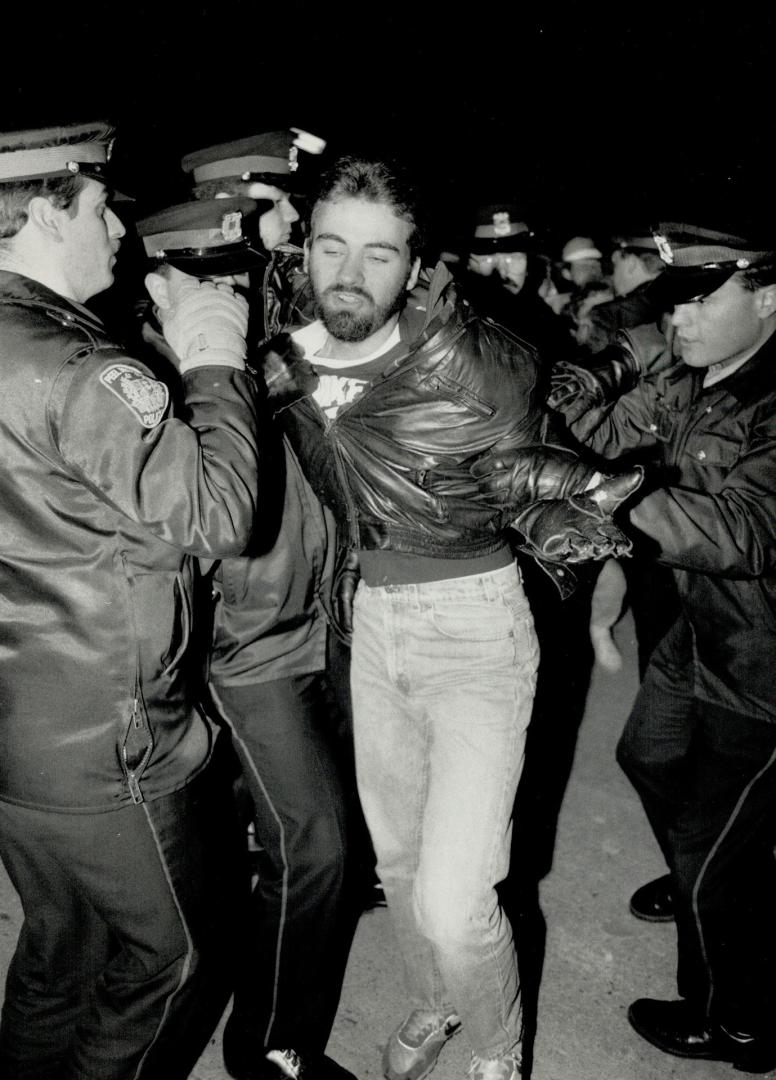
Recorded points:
(700,743)
(268,684)
(108,805)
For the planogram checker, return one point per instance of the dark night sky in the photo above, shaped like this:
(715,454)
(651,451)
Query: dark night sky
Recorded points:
(587,119)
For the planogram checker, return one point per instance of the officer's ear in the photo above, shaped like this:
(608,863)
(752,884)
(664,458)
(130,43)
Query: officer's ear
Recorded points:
(765,301)
(158,287)
(306,263)
(46,217)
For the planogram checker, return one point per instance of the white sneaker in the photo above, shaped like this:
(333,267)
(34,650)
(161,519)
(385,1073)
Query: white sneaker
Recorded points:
(507,1067)
(412,1050)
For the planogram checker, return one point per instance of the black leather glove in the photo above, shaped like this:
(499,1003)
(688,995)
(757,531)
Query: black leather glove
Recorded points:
(580,527)
(614,372)
(288,376)
(343,589)
(512,478)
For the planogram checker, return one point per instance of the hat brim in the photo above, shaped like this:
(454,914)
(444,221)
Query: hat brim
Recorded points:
(230,259)
(683,285)
(482,245)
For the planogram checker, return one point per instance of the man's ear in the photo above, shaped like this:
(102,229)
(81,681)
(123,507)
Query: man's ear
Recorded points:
(765,301)
(42,213)
(158,289)
(306,264)
(412,280)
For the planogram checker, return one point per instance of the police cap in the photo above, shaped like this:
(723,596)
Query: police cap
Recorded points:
(272,153)
(52,152)
(638,239)
(206,238)
(498,227)
(699,260)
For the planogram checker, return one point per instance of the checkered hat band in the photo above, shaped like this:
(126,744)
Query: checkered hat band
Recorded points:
(185,239)
(706,254)
(492,232)
(50,160)
(236,166)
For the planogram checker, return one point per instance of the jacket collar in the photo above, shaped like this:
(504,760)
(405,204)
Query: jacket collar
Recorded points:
(754,378)
(23,290)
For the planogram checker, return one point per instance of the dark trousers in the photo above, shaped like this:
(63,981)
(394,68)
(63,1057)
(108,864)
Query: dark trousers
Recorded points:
(293,961)
(706,776)
(123,963)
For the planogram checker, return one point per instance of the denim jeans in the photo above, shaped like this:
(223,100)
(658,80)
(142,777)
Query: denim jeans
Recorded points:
(443,677)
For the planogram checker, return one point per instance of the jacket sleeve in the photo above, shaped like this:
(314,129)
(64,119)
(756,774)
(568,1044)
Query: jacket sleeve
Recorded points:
(728,533)
(191,482)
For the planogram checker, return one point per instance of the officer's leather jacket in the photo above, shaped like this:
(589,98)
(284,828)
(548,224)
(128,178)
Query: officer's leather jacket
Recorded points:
(105,497)
(709,511)
(395,463)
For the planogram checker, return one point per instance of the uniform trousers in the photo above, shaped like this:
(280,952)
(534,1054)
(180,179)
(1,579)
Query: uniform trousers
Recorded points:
(706,775)
(295,949)
(124,961)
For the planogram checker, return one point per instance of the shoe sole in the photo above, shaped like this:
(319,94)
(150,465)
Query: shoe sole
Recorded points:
(650,918)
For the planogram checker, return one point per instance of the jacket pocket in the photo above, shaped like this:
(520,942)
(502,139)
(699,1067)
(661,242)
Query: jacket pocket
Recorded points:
(448,388)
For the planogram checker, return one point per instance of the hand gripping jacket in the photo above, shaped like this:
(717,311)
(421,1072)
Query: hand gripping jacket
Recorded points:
(106,496)
(396,464)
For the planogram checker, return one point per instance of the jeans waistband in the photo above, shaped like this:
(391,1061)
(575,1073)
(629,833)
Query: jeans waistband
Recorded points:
(484,586)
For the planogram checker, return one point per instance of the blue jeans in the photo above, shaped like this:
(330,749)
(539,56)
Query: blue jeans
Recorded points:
(443,677)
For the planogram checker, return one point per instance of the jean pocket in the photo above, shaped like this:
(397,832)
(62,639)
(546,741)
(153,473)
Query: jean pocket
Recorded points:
(473,620)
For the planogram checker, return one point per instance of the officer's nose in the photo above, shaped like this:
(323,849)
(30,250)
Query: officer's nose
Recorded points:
(289,212)
(682,315)
(115,227)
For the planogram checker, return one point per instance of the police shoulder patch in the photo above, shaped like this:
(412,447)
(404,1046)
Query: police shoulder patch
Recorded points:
(145,397)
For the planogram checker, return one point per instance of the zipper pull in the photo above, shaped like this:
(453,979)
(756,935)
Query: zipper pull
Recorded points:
(134,788)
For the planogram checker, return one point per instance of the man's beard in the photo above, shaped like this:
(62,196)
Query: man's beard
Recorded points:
(352,326)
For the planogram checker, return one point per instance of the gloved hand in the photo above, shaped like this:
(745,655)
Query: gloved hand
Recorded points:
(601,382)
(524,474)
(287,374)
(580,527)
(642,351)
(205,325)
(343,589)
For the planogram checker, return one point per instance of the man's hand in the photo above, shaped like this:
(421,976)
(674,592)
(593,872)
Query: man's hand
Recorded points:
(205,325)
(287,374)
(580,528)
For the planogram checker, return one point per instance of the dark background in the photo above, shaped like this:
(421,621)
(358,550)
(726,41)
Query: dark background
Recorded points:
(589,118)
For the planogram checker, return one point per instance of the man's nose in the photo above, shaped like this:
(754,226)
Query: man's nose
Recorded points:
(682,315)
(351,269)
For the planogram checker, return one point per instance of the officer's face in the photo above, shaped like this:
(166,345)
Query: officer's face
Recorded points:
(360,266)
(275,224)
(722,326)
(91,238)
(622,266)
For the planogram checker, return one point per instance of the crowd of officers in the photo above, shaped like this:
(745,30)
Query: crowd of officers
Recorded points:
(268,546)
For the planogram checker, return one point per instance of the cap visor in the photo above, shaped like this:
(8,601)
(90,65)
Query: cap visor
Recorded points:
(232,260)
(682,285)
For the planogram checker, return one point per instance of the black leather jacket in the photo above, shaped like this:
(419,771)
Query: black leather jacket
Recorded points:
(105,497)
(712,516)
(395,464)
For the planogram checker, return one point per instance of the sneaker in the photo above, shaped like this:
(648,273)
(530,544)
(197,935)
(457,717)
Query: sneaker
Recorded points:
(412,1050)
(507,1067)
(286,1063)
(289,1065)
